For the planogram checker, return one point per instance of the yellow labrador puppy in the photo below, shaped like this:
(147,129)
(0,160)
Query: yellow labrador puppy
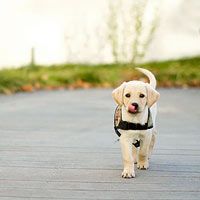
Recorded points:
(137,104)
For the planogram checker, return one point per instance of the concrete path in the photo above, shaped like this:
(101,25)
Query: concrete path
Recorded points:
(61,145)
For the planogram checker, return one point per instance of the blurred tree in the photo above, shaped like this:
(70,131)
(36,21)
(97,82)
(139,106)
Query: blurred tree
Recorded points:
(32,61)
(113,29)
(131,29)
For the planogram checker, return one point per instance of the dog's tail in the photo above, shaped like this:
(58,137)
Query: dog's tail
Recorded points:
(151,77)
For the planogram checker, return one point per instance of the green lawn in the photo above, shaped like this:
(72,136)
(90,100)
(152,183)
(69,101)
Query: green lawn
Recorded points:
(176,73)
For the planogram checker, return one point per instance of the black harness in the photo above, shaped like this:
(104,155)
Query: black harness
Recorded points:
(124,125)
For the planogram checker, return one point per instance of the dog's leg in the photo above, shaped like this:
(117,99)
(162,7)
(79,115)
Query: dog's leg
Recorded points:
(126,147)
(134,154)
(153,140)
(143,162)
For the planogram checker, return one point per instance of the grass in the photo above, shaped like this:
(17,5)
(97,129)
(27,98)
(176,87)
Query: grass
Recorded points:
(175,73)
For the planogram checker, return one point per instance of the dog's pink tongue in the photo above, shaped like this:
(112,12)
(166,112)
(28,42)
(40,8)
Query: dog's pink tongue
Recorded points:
(132,108)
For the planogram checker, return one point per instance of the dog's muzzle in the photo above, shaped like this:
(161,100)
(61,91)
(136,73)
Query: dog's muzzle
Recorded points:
(133,108)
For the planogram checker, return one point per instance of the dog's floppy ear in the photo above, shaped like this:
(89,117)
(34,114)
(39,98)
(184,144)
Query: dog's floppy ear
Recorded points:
(117,94)
(152,95)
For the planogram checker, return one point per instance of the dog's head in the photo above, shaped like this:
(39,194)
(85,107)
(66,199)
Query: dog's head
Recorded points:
(135,96)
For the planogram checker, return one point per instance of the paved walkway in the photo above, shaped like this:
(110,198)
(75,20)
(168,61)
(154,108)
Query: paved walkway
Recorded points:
(61,145)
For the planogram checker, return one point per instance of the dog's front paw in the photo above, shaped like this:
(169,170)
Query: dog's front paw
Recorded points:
(128,173)
(143,165)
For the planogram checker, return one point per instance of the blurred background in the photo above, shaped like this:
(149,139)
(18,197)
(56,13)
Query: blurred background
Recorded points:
(51,44)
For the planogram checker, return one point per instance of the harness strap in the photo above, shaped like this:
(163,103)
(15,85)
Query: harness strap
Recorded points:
(117,132)
(124,125)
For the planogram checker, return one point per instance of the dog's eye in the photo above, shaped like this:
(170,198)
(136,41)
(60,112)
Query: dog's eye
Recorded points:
(128,95)
(142,96)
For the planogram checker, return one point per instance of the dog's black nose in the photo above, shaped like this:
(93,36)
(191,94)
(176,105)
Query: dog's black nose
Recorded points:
(135,104)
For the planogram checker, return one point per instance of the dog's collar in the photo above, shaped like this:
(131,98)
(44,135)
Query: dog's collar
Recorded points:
(124,125)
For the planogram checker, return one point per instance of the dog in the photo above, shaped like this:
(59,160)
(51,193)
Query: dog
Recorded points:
(137,101)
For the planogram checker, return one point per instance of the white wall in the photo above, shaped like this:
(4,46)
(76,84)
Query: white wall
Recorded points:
(74,30)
